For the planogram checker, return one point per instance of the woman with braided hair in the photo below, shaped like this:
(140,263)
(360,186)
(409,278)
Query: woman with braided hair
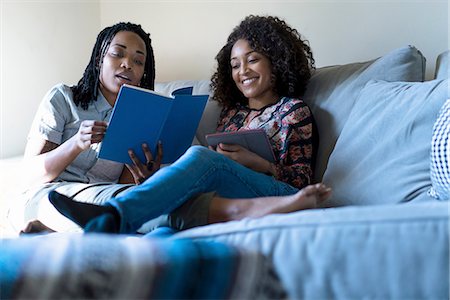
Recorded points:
(61,152)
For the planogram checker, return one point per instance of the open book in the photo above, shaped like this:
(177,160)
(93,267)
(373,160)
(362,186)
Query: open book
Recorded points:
(144,116)
(255,140)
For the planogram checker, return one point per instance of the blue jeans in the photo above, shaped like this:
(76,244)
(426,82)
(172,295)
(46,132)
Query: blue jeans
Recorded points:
(199,170)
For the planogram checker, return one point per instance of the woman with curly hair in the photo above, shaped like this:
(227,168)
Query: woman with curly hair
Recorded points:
(262,72)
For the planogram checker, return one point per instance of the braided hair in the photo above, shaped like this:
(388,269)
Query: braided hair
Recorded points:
(86,91)
(291,58)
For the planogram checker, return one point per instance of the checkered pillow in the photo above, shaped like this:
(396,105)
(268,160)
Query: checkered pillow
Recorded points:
(440,155)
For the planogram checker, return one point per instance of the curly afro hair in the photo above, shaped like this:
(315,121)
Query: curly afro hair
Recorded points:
(291,58)
(86,90)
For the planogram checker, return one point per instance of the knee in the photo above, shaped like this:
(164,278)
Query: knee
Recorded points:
(199,152)
(199,155)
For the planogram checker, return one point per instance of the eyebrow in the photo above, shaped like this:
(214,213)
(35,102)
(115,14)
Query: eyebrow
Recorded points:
(125,47)
(246,54)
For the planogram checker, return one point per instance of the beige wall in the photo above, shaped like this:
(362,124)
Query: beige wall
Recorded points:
(42,43)
(188,34)
(46,42)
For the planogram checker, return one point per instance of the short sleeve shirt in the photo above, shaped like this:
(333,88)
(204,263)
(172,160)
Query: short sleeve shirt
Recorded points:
(59,118)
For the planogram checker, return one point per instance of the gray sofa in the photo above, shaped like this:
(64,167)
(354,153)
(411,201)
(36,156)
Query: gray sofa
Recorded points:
(380,236)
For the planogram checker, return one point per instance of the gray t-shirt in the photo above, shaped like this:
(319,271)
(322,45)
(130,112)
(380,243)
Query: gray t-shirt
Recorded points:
(59,118)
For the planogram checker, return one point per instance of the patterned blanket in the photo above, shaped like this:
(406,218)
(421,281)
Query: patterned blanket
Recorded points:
(96,266)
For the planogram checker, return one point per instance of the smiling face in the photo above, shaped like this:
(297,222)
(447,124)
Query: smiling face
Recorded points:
(252,74)
(123,62)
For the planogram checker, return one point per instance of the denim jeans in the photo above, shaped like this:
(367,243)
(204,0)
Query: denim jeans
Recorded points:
(199,170)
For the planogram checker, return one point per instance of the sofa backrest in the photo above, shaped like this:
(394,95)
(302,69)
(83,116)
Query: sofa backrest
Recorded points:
(442,68)
(332,92)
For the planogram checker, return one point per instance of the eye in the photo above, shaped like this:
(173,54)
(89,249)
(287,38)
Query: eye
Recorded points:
(116,54)
(139,62)
(235,66)
(253,59)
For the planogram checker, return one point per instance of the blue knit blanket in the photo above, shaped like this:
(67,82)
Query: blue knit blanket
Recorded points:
(96,266)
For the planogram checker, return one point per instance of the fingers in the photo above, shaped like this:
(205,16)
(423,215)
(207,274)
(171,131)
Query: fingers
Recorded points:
(137,179)
(147,152)
(141,171)
(137,169)
(91,131)
(321,189)
(229,147)
(137,164)
(153,164)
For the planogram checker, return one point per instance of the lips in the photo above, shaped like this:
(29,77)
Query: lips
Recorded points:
(124,77)
(248,81)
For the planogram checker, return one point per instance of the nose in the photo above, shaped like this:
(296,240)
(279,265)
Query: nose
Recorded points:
(126,63)
(243,68)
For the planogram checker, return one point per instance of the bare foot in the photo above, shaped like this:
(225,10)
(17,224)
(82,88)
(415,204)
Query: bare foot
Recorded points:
(36,226)
(223,209)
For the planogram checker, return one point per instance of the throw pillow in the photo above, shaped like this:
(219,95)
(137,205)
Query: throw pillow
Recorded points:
(442,70)
(332,92)
(440,155)
(383,153)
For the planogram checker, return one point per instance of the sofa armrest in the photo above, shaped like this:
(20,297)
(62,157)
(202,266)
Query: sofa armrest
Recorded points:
(10,181)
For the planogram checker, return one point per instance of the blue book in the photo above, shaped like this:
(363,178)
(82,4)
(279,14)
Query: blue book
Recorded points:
(144,116)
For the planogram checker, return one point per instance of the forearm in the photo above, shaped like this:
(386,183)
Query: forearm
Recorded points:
(50,161)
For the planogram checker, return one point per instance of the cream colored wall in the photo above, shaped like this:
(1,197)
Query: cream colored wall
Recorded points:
(188,34)
(42,43)
(46,42)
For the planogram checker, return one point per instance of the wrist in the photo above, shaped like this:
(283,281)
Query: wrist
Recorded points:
(76,147)
(270,169)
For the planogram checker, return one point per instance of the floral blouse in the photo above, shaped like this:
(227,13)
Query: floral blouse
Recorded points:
(289,126)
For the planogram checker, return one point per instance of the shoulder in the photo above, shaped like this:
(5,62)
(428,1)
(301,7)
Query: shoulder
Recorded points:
(57,103)
(59,90)
(294,108)
(230,111)
(59,95)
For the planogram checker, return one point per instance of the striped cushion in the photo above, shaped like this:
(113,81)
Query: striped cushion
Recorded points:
(440,155)
(99,266)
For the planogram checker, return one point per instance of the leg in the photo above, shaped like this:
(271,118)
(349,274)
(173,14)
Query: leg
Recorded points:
(198,171)
(91,217)
(223,209)
(192,213)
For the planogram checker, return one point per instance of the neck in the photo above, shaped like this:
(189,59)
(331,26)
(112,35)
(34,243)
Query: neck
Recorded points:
(258,103)
(110,97)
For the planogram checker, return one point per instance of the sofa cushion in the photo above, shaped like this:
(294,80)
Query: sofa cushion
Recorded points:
(442,70)
(397,251)
(383,153)
(332,92)
(440,155)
